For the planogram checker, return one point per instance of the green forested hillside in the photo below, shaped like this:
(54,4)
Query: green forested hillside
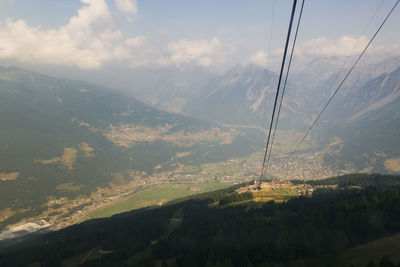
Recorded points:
(304,231)
(65,139)
(358,180)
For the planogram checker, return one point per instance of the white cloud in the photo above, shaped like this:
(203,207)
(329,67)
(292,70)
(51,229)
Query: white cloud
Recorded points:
(126,6)
(259,58)
(326,56)
(86,41)
(203,52)
(343,46)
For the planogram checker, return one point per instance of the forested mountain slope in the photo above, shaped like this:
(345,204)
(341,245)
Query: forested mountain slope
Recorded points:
(62,139)
(305,231)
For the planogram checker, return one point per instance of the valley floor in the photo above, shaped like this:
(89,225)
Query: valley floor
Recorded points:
(161,187)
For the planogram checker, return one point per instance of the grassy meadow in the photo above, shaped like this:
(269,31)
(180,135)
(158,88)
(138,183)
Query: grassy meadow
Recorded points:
(156,195)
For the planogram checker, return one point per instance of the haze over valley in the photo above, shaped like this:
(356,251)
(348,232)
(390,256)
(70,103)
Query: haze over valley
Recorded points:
(196,135)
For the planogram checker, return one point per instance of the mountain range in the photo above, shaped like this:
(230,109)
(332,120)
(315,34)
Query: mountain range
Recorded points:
(65,140)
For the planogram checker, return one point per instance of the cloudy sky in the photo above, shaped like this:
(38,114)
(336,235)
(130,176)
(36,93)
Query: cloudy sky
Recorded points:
(90,35)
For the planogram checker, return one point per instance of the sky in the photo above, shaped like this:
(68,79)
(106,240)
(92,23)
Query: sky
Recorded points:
(93,35)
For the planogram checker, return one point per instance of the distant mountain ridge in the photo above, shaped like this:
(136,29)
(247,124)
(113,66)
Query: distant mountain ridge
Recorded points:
(168,89)
(243,95)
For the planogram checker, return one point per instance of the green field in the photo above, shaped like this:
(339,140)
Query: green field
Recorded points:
(155,195)
(375,250)
(282,194)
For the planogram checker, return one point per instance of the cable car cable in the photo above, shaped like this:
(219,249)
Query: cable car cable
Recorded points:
(344,79)
(284,85)
(279,82)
